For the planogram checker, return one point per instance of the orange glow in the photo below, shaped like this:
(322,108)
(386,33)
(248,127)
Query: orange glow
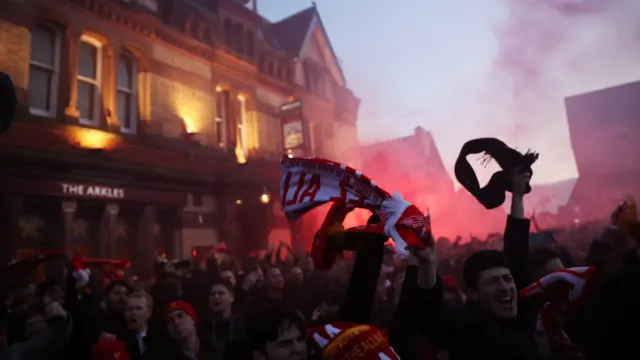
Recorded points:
(189,125)
(92,138)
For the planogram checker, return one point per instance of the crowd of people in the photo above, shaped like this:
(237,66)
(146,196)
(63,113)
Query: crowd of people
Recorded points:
(449,300)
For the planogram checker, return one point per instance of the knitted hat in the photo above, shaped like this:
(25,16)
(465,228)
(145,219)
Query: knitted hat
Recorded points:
(110,350)
(492,195)
(181,306)
(350,341)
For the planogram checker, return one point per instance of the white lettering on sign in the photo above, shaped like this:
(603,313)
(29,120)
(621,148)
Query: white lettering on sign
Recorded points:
(92,191)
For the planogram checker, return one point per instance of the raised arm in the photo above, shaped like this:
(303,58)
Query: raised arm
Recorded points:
(516,234)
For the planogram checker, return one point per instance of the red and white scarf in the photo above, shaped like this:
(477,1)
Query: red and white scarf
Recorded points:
(561,291)
(310,182)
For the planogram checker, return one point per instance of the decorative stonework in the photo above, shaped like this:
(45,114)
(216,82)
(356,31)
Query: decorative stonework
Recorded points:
(199,44)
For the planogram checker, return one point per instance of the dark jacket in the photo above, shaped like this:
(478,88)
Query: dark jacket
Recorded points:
(612,314)
(216,334)
(470,332)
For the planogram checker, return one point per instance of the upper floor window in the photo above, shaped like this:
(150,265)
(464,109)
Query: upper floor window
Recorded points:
(89,80)
(227,28)
(223,98)
(251,44)
(44,69)
(239,38)
(127,92)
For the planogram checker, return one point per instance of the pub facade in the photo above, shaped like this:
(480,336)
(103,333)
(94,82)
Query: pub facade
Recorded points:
(150,127)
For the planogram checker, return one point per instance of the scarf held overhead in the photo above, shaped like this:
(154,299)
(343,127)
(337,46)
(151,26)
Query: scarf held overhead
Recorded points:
(310,182)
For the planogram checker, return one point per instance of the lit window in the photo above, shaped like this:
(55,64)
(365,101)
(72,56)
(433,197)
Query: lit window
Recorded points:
(89,68)
(222,116)
(127,93)
(44,69)
(241,133)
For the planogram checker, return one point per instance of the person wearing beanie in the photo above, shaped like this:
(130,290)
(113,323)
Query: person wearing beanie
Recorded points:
(180,321)
(339,341)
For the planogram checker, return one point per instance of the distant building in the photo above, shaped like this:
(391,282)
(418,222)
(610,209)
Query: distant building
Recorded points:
(412,165)
(604,126)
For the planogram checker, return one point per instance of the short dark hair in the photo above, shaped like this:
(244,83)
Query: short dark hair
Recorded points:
(332,298)
(268,325)
(479,262)
(541,256)
(225,283)
(113,284)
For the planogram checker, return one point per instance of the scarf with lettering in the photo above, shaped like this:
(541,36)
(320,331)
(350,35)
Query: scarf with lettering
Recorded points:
(350,341)
(561,292)
(310,182)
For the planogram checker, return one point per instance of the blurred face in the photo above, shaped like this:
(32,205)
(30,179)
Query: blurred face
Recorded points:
(295,276)
(220,298)
(228,276)
(381,288)
(324,313)
(117,299)
(306,265)
(34,325)
(548,268)
(497,293)
(180,325)
(137,313)
(290,345)
(274,278)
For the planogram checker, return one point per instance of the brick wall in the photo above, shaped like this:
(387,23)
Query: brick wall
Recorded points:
(14,53)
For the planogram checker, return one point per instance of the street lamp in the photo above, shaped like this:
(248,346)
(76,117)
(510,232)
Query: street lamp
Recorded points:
(265,197)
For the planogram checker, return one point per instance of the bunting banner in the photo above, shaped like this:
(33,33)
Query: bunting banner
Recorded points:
(310,182)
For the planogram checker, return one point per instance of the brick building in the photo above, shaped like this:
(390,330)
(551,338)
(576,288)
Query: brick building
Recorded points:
(150,126)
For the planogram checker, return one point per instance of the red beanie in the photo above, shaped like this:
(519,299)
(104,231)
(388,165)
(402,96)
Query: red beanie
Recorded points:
(181,306)
(350,341)
(110,350)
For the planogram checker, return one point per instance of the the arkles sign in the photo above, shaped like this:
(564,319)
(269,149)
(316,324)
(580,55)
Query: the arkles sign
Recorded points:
(92,191)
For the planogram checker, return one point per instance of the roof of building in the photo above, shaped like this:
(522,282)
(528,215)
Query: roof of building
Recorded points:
(291,32)
(416,155)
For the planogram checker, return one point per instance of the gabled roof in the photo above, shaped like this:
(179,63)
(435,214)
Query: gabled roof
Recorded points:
(416,155)
(292,32)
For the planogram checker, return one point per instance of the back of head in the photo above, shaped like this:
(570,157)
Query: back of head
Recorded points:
(479,262)
(269,325)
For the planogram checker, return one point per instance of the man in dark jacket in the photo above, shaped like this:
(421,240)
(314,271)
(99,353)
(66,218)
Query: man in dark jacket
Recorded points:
(492,324)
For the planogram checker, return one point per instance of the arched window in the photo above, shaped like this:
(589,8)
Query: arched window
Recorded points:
(227,27)
(251,46)
(127,92)
(239,38)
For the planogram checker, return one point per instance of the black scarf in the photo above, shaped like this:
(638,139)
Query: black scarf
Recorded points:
(492,195)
